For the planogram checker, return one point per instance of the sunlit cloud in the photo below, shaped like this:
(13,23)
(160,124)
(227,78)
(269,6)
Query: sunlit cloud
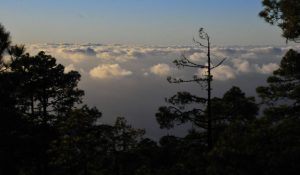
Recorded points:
(156,60)
(109,71)
(161,69)
(69,68)
(267,68)
(222,73)
(242,65)
(198,57)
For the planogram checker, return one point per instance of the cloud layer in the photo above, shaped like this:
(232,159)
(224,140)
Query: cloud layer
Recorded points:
(130,81)
(103,61)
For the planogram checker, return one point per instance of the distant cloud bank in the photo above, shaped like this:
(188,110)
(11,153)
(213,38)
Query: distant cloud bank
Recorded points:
(130,81)
(107,61)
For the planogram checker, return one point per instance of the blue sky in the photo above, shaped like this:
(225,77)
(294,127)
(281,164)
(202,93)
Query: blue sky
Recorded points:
(152,22)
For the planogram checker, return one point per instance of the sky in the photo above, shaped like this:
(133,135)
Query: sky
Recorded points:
(152,22)
(124,48)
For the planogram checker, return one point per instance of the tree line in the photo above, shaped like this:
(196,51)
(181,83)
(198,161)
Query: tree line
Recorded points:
(46,129)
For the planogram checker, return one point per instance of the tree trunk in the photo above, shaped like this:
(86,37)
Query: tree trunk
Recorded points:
(209,79)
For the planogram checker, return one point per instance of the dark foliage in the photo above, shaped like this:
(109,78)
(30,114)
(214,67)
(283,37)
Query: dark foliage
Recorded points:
(4,41)
(285,14)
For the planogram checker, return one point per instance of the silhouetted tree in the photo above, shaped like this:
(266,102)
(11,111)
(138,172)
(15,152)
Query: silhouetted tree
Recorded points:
(6,49)
(260,147)
(283,91)
(234,107)
(4,41)
(36,94)
(194,153)
(125,139)
(282,97)
(269,144)
(79,145)
(201,116)
(12,126)
(126,136)
(149,155)
(285,14)
(45,88)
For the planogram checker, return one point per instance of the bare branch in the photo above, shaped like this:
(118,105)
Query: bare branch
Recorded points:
(192,63)
(200,117)
(178,111)
(185,62)
(179,80)
(202,34)
(221,62)
(199,43)
(184,98)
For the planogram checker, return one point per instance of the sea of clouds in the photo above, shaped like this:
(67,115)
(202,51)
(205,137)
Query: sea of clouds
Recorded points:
(130,81)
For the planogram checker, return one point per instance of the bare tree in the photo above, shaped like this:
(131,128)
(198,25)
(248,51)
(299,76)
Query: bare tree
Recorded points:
(201,117)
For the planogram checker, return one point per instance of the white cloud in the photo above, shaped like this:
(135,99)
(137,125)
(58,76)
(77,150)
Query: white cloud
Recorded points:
(222,73)
(267,68)
(160,69)
(198,57)
(241,65)
(266,50)
(249,55)
(75,54)
(109,71)
(115,57)
(69,68)
(245,60)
